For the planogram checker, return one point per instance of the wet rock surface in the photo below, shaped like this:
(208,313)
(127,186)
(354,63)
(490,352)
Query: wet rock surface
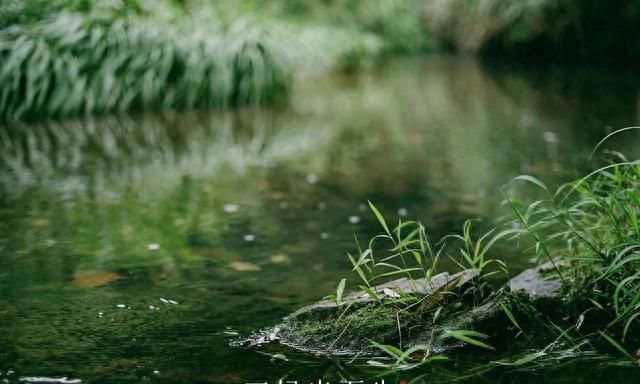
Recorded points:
(411,312)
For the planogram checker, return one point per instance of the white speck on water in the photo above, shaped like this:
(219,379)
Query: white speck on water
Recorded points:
(249,237)
(231,208)
(284,204)
(362,207)
(402,212)
(230,333)
(354,219)
(120,305)
(173,302)
(151,307)
(312,178)
(324,235)
(153,247)
(156,372)
(62,380)
(550,137)
(100,314)
(49,242)
(322,205)
(10,372)
(165,301)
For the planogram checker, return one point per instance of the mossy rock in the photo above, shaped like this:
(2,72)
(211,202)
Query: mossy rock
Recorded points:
(412,312)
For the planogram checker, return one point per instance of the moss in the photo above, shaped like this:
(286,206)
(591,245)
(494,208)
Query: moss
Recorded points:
(348,331)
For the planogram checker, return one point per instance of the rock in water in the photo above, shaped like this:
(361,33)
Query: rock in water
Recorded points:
(327,327)
(406,313)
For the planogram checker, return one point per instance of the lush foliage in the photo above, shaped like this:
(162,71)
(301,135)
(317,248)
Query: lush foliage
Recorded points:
(74,63)
(592,226)
(539,29)
(69,57)
(588,230)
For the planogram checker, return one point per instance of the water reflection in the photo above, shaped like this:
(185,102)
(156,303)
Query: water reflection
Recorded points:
(239,217)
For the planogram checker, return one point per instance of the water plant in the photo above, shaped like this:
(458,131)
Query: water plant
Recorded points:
(587,230)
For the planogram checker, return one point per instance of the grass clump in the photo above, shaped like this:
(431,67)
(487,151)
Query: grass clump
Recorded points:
(592,226)
(69,57)
(588,231)
(73,63)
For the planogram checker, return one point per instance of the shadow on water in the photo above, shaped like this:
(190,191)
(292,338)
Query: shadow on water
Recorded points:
(133,248)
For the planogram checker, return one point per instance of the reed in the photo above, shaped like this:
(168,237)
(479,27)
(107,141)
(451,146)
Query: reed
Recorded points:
(73,63)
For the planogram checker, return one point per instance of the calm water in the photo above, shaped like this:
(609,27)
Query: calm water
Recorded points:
(134,248)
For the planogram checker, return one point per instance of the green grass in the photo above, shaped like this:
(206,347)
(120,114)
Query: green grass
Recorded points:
(72,63)
(588,229)
(70,57)
(592,225)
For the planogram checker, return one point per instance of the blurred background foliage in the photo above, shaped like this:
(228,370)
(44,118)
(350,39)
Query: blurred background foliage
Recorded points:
(69,57)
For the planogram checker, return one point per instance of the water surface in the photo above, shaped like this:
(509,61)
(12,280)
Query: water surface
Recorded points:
(134,248)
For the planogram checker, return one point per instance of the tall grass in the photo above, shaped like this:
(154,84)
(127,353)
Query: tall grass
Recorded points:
(589,230)
(68,57)
(72,63)
(592,225)
(399,24)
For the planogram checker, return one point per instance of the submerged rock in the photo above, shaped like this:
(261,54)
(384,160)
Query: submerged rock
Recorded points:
(408,312)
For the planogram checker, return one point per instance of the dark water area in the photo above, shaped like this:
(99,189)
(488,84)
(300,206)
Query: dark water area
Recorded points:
(135,248)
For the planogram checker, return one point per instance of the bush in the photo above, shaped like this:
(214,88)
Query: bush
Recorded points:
(75,63)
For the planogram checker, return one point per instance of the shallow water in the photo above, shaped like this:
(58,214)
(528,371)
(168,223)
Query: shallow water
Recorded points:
(134,248)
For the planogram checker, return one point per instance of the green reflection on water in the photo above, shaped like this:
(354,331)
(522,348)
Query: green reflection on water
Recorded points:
(131,209)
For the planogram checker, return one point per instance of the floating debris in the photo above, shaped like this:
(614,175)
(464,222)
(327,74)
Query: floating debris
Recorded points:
(121,306)
(168,301)
(243,266)
(156,372)
(550,137)
(230,333)
(402,212)
(49,242)
(279,259)
(90,279)
(249,237)
(100,314)
(354,219)
(151,307)
(153,247)
(231,208)
(62,380)
(312,178)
